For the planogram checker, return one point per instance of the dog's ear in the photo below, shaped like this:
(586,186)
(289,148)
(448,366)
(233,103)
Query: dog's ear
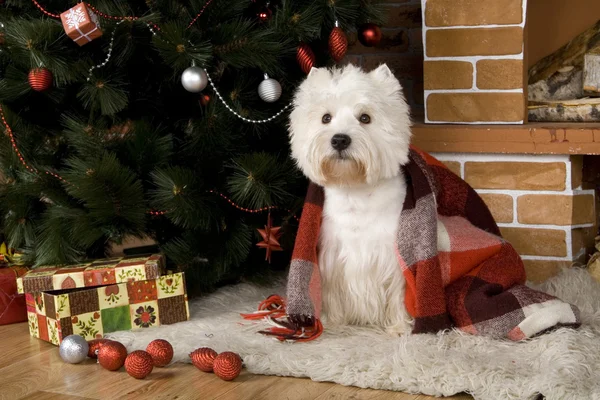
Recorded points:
(313,70)
(384,74)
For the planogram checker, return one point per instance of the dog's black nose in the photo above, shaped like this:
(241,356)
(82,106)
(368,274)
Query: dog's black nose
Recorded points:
(340,141)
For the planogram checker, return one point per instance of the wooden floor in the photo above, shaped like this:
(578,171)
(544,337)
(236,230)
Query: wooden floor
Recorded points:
(32,369)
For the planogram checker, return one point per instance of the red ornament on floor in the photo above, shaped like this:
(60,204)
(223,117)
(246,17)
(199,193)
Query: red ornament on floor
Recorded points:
(369,35)
(94,347)
(161,352)
(40,79)
(338,44)
(203,358)
(112,355)
(139,364)
(227,366)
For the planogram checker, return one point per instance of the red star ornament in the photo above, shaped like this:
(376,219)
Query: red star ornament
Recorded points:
(270,237)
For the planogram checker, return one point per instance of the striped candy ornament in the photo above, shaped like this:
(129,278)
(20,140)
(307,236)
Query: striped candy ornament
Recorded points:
(338,44)
(40,79)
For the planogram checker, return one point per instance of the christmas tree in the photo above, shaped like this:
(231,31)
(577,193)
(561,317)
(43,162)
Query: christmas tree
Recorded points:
(155,119)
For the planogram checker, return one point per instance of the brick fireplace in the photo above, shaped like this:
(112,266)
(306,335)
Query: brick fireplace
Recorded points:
(474,61)
(470,59)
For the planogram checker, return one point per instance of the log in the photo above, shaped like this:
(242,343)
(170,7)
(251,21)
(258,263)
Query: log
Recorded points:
(591,73)
(578,110)
(570,55)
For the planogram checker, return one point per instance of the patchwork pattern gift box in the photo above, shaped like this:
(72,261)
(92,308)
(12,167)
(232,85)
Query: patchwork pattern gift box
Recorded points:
(115,296)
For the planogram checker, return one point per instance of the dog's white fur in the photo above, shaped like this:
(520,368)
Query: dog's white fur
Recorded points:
(362,282)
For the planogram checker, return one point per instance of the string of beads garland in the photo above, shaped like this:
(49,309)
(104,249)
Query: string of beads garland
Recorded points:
(96,11)
(249,210)
(252,121)
(108,54)
(155,213)
(200,13)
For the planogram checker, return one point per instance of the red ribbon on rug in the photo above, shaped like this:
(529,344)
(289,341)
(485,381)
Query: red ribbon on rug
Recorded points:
(272,309)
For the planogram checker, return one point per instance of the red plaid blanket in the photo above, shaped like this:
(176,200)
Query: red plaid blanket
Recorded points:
(459,271)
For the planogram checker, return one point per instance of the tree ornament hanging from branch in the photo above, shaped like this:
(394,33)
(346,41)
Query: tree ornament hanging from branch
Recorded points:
(81,24)
(270,237)
(194,79)
(40,79)
(269,90)
(338,43)
(369,34)
(305,57)
(265,13)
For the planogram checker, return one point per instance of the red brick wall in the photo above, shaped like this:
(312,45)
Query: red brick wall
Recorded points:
(401,48)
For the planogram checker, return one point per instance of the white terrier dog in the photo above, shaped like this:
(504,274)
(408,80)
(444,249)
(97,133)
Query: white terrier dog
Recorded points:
(350,133)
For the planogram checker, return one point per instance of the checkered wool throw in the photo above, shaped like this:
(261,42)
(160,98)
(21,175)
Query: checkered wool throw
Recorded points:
(459,273)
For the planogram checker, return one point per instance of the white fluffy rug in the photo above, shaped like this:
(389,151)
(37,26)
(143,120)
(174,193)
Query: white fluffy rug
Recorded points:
(564,364)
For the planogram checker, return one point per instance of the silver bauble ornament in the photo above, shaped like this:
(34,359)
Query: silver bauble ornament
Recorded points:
(73,349)
(269,90)
(194,79)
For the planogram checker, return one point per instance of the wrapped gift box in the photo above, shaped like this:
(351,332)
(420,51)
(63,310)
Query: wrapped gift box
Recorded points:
(92,273)
(12,304)
(81,24)
(94,312)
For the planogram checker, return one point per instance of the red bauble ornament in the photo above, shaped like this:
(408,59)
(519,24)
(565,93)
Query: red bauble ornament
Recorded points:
(203,358)
(205,99)
(338,44)
(227,366)
(112,355)
(139,364)
(369,34)
(161,352)
(94,346)
(265,14)
(305,57)
(40,79)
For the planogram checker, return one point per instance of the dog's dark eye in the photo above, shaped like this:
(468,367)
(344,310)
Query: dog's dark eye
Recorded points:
(365,119)
(326,118)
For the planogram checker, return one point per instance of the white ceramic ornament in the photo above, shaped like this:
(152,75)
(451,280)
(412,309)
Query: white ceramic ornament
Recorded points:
(73,349)
(269,90)
(194,79)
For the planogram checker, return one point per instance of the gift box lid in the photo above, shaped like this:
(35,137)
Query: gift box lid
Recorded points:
(92,273)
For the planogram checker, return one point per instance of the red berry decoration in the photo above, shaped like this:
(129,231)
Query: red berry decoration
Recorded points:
(40,79)
(161,352)
(94,347)
(265,14)
(227,366)
(338,44)
(112,355)
(369,34)
(305,57)
(205,99)
(203,359)
(139,364)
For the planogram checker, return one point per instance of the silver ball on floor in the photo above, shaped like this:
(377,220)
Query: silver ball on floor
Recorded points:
(73,349)
(194,79)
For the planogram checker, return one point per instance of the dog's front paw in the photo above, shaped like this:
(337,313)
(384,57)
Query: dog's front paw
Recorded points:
(301,320)
(399,329)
